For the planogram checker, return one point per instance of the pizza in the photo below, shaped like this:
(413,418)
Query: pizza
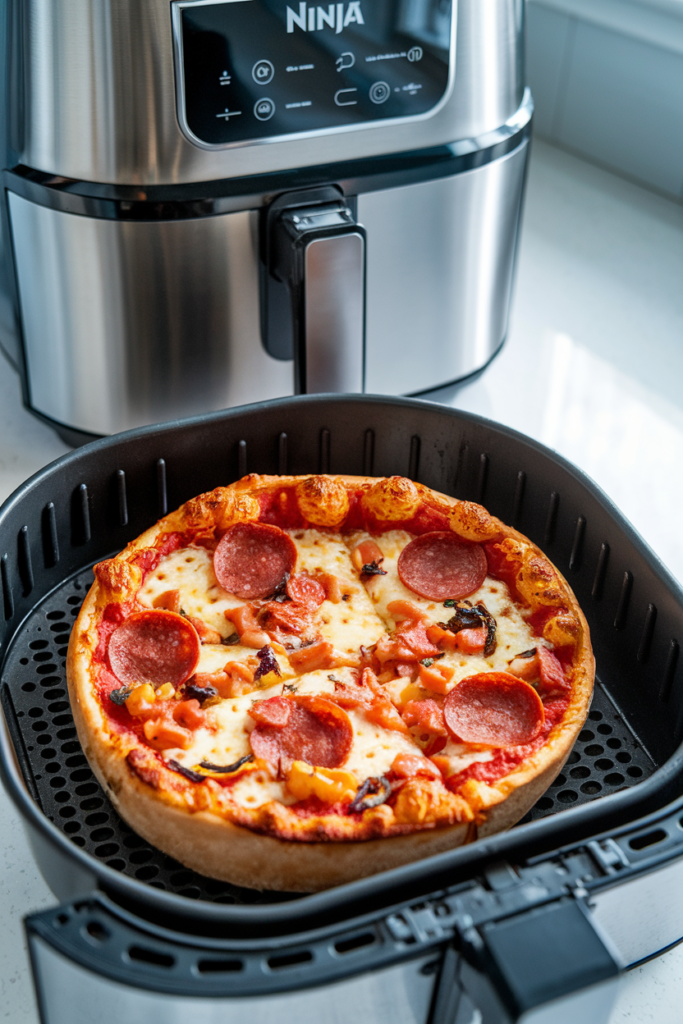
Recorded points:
(293,682)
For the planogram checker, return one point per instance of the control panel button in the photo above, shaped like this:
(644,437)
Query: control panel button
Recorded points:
(346,97)
(380,92)
(262,72)
(264,109)
(345,60)
(415,53)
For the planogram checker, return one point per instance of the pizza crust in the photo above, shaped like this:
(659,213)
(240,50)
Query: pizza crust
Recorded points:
(219,848)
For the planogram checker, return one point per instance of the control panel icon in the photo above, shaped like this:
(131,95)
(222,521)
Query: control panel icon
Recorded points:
(345,60)
(262,72)
(415,53)
(264,109)
(380,92)
(346,97)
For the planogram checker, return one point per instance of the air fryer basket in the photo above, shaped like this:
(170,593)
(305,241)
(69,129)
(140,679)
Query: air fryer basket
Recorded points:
(626,763)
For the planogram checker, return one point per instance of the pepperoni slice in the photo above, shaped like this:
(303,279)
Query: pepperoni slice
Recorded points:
(251,559)
(154,647)
(495,708)
(439,565)
(303,589)
(317,731)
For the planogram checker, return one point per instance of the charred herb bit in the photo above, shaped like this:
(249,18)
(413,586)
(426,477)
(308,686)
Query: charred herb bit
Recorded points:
(267,663)
(121,695)
(200,693)
(333,679)
(450,603)
(490,645)
(187,772)
(373,569)
(372,793)
(225,769)
(428,662)
(525,654)
(473,618)
(230,641)
(280,593)
(289,688)
(346,597)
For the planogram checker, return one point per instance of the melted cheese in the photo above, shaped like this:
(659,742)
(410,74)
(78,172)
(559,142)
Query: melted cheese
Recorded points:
(190,570)
(361,619)
(513,633)
(351,622)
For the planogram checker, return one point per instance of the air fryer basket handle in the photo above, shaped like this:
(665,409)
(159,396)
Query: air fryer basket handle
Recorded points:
(547,965)
(316,251)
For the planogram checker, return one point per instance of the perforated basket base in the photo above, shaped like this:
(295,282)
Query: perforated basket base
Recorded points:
(607,757)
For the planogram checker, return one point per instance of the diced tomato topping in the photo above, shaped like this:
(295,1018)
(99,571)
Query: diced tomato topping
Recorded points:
(254,638)
(351,696)
(436,677)
(407,766)
(170,600)
(551,673)
(274,711)
(163,733)
(402,609)
(369,679)
(243,617)
(332,586)
(189,714)
(315,656)
(287,617)
(366,553)
(525,668)
(471,641)
(409,642)
(383,713)
(235,679)
(425,714)
(306,591)
(442,637)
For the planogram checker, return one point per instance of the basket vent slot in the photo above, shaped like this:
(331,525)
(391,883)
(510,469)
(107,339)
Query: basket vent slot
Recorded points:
(282,960)
(50,538)
(551,519)
(122,497)
(355,942)
(624,599)
(600,572)
(414,458)
(241,459)
(219,966)
(324,460)
(150,956)
(519,497)
(162,494)
(657,835)
(368,452)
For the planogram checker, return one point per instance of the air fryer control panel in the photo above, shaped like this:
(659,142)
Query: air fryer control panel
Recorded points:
(262,69)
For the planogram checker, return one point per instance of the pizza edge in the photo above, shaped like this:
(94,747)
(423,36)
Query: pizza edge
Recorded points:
(261,861)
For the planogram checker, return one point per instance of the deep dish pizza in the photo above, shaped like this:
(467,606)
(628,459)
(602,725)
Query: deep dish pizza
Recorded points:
(292,682)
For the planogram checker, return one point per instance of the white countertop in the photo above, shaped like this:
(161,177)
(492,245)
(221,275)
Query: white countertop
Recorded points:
(593,367)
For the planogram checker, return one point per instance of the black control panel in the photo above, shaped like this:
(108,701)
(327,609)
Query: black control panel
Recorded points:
(254,69)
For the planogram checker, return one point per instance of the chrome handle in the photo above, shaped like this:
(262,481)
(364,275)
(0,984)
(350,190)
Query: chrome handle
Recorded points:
(334,317)
(314,290)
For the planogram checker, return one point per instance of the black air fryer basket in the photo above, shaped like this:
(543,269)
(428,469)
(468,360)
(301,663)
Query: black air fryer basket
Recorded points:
(527,924)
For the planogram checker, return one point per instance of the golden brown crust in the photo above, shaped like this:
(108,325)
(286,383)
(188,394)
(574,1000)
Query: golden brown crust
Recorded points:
(190,822)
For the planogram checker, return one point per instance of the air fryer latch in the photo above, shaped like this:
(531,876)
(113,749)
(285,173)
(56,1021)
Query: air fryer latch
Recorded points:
(313,289)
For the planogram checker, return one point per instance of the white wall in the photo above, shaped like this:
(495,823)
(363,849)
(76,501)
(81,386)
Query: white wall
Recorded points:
(607,80)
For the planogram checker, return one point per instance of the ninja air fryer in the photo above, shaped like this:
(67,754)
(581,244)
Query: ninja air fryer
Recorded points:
(212,202)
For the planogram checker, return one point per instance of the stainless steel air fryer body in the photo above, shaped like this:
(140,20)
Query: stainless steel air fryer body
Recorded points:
(209,202)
